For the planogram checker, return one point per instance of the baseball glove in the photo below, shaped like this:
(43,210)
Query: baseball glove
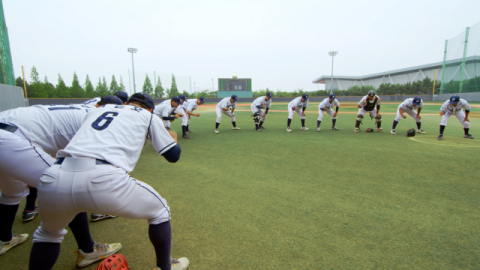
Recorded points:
(114,262)
(411,133)
(369,130)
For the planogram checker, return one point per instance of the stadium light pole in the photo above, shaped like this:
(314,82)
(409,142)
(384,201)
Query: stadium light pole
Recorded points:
(133,50)
(332,54)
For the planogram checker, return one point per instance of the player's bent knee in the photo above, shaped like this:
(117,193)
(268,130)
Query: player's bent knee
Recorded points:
(41,235)
(359,117)
(12,199)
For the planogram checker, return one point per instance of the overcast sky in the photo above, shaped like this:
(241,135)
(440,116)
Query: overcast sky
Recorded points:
(282,45)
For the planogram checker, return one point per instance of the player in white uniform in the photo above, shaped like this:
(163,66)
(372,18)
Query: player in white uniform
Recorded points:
(455,106)
(326,107)
(226,106)
(91,174)
(189,106)
(367,104)
(409,106)
(257,109)
(167,111)
(297,105)
(29,137)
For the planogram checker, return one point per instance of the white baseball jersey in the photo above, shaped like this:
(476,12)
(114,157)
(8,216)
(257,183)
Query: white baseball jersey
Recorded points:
(298,103)
(50,126)
(164,109)
(225,103)
(407,105)
(190,105)
(326,104)
(92,102)
(261,101)
(462,104)
(120,131)
(365,100)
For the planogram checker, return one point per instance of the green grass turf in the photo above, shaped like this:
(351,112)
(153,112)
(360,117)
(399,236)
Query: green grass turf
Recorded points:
(306,200)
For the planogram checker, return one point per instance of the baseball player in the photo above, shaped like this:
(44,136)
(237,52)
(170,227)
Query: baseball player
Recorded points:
(167,111)
(188,107)
(123,96)
(29,137)
(326,106)
(298,105)
(226,106)
(455,106)
(367,104)
(257,109)
(91,174)
(409,106)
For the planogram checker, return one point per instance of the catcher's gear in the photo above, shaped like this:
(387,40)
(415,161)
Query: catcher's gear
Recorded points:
(359,117)
(411,132)
(256,117)
(369,130)
(371,93)
(114,262)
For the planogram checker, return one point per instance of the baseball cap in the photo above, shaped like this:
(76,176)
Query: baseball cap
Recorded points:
(110,100)
(176,99)
(182,97)
(202,100)
(416,101)
(332,96)
(234,97)
(454,99)
(305,96)
(122,95)
(143,98)
(269,95)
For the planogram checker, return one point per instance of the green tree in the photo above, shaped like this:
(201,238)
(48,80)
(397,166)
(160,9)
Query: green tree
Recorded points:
(114,86)
(102,89)
(173,89)
(49,88)
(89,90)
(19,83)
(121,87)
(37,87)
(158,91)
(62,89)
(147,86)
(76,90)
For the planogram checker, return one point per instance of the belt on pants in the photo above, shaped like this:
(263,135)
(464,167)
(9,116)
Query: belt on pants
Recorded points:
(8,127)
(97,161)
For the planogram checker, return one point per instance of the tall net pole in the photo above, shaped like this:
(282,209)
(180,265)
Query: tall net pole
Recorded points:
(5,54)
(442,85)
(463,61)
(332,54)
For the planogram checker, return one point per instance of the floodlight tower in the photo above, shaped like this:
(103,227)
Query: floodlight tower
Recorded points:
(133,50)
(332,54)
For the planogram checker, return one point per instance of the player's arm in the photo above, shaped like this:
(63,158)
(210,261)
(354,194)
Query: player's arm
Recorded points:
(336,109)
(401,113)
(361,103)
(194,114)
(163,141)
(418,113)
(443,109)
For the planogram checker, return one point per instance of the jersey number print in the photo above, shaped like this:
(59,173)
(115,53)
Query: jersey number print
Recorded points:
(96,125)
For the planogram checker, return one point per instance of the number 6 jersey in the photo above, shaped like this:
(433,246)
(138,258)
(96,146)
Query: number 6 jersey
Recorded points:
(117,133)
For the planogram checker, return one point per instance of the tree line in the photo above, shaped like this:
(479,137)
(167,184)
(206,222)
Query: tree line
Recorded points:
(36,88)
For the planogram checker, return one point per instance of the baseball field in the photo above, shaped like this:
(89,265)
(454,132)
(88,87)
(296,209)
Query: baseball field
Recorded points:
(306,200)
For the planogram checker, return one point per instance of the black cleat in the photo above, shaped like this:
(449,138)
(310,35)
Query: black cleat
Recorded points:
(189,131)
(468,136)
(440,137)
(186,137)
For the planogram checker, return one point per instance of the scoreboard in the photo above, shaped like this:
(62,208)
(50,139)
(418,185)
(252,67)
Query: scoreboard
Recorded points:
(235,84)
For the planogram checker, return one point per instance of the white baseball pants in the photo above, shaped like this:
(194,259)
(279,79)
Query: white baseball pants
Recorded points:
(298,111)
(373,113)
(412,113)
(80,185)
(460,116)
(329,111)
(220,112)
(259,111)
(22,163)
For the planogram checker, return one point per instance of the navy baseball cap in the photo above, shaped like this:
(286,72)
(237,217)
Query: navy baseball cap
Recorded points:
(305,96)
(122,95)
(234,97)
(332,96)
(269,95)
(176,99)
(183,97)
(202,100)
(111,100)
(454,99)
(143,98)
(416,101)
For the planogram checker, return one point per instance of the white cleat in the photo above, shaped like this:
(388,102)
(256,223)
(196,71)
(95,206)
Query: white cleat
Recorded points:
(216,131)
(100,252)
(17,239)
(380,129)
(318,129)
(356,130)
(335,128)
(393,131)
(289,129)
(236,128)
(304,128)
(421,131)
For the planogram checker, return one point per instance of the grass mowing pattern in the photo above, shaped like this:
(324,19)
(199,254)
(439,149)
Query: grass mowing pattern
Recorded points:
(307,200)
